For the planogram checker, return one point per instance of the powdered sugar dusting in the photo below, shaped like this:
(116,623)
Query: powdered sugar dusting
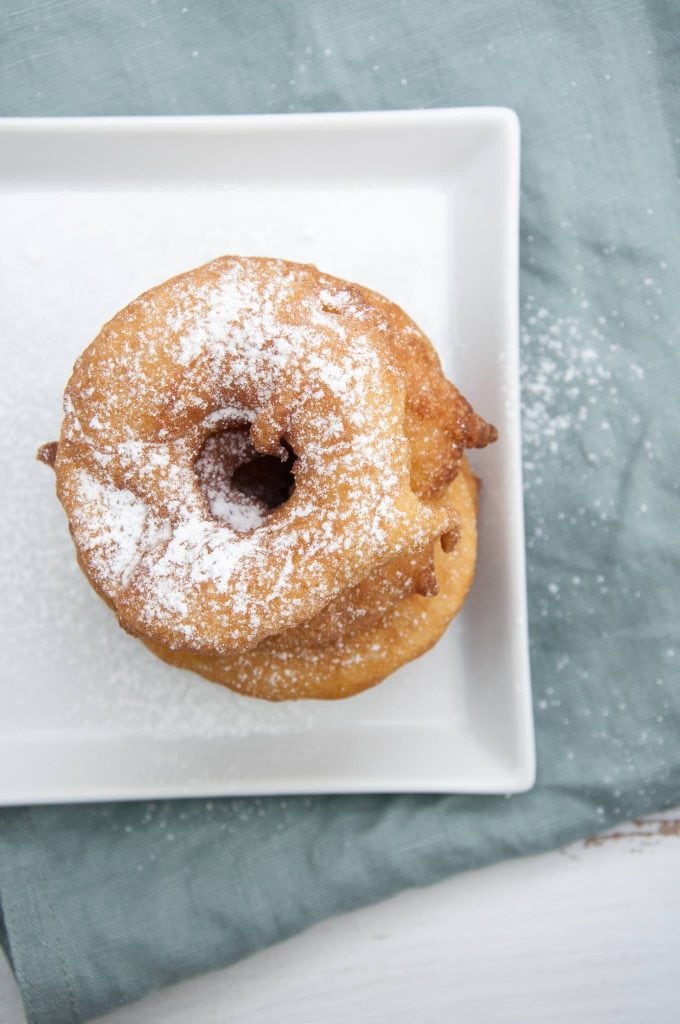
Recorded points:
(248,342)
(115,527)
(220,456)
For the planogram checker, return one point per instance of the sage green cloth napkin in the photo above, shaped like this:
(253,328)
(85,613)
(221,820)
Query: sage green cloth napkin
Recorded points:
(103,903)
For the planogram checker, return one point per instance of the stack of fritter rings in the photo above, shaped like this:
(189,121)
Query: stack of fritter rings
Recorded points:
(264,476)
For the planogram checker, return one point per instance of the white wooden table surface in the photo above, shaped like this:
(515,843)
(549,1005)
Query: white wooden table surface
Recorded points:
(588,934)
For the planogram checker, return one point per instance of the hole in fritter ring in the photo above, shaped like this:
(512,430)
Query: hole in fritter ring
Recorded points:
(266,477)
(242,486)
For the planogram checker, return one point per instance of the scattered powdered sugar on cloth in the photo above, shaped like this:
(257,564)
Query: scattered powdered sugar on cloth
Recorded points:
(567,377)
(591,441)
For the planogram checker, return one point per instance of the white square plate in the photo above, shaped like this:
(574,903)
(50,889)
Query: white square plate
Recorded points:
(420,205)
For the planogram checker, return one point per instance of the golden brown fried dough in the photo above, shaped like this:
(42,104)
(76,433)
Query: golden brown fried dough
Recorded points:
(278,670)
(297,358)
(440,423)
(259,466)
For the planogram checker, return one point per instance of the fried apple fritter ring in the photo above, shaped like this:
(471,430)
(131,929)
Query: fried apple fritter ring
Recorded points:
(280,670)
(298,364)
